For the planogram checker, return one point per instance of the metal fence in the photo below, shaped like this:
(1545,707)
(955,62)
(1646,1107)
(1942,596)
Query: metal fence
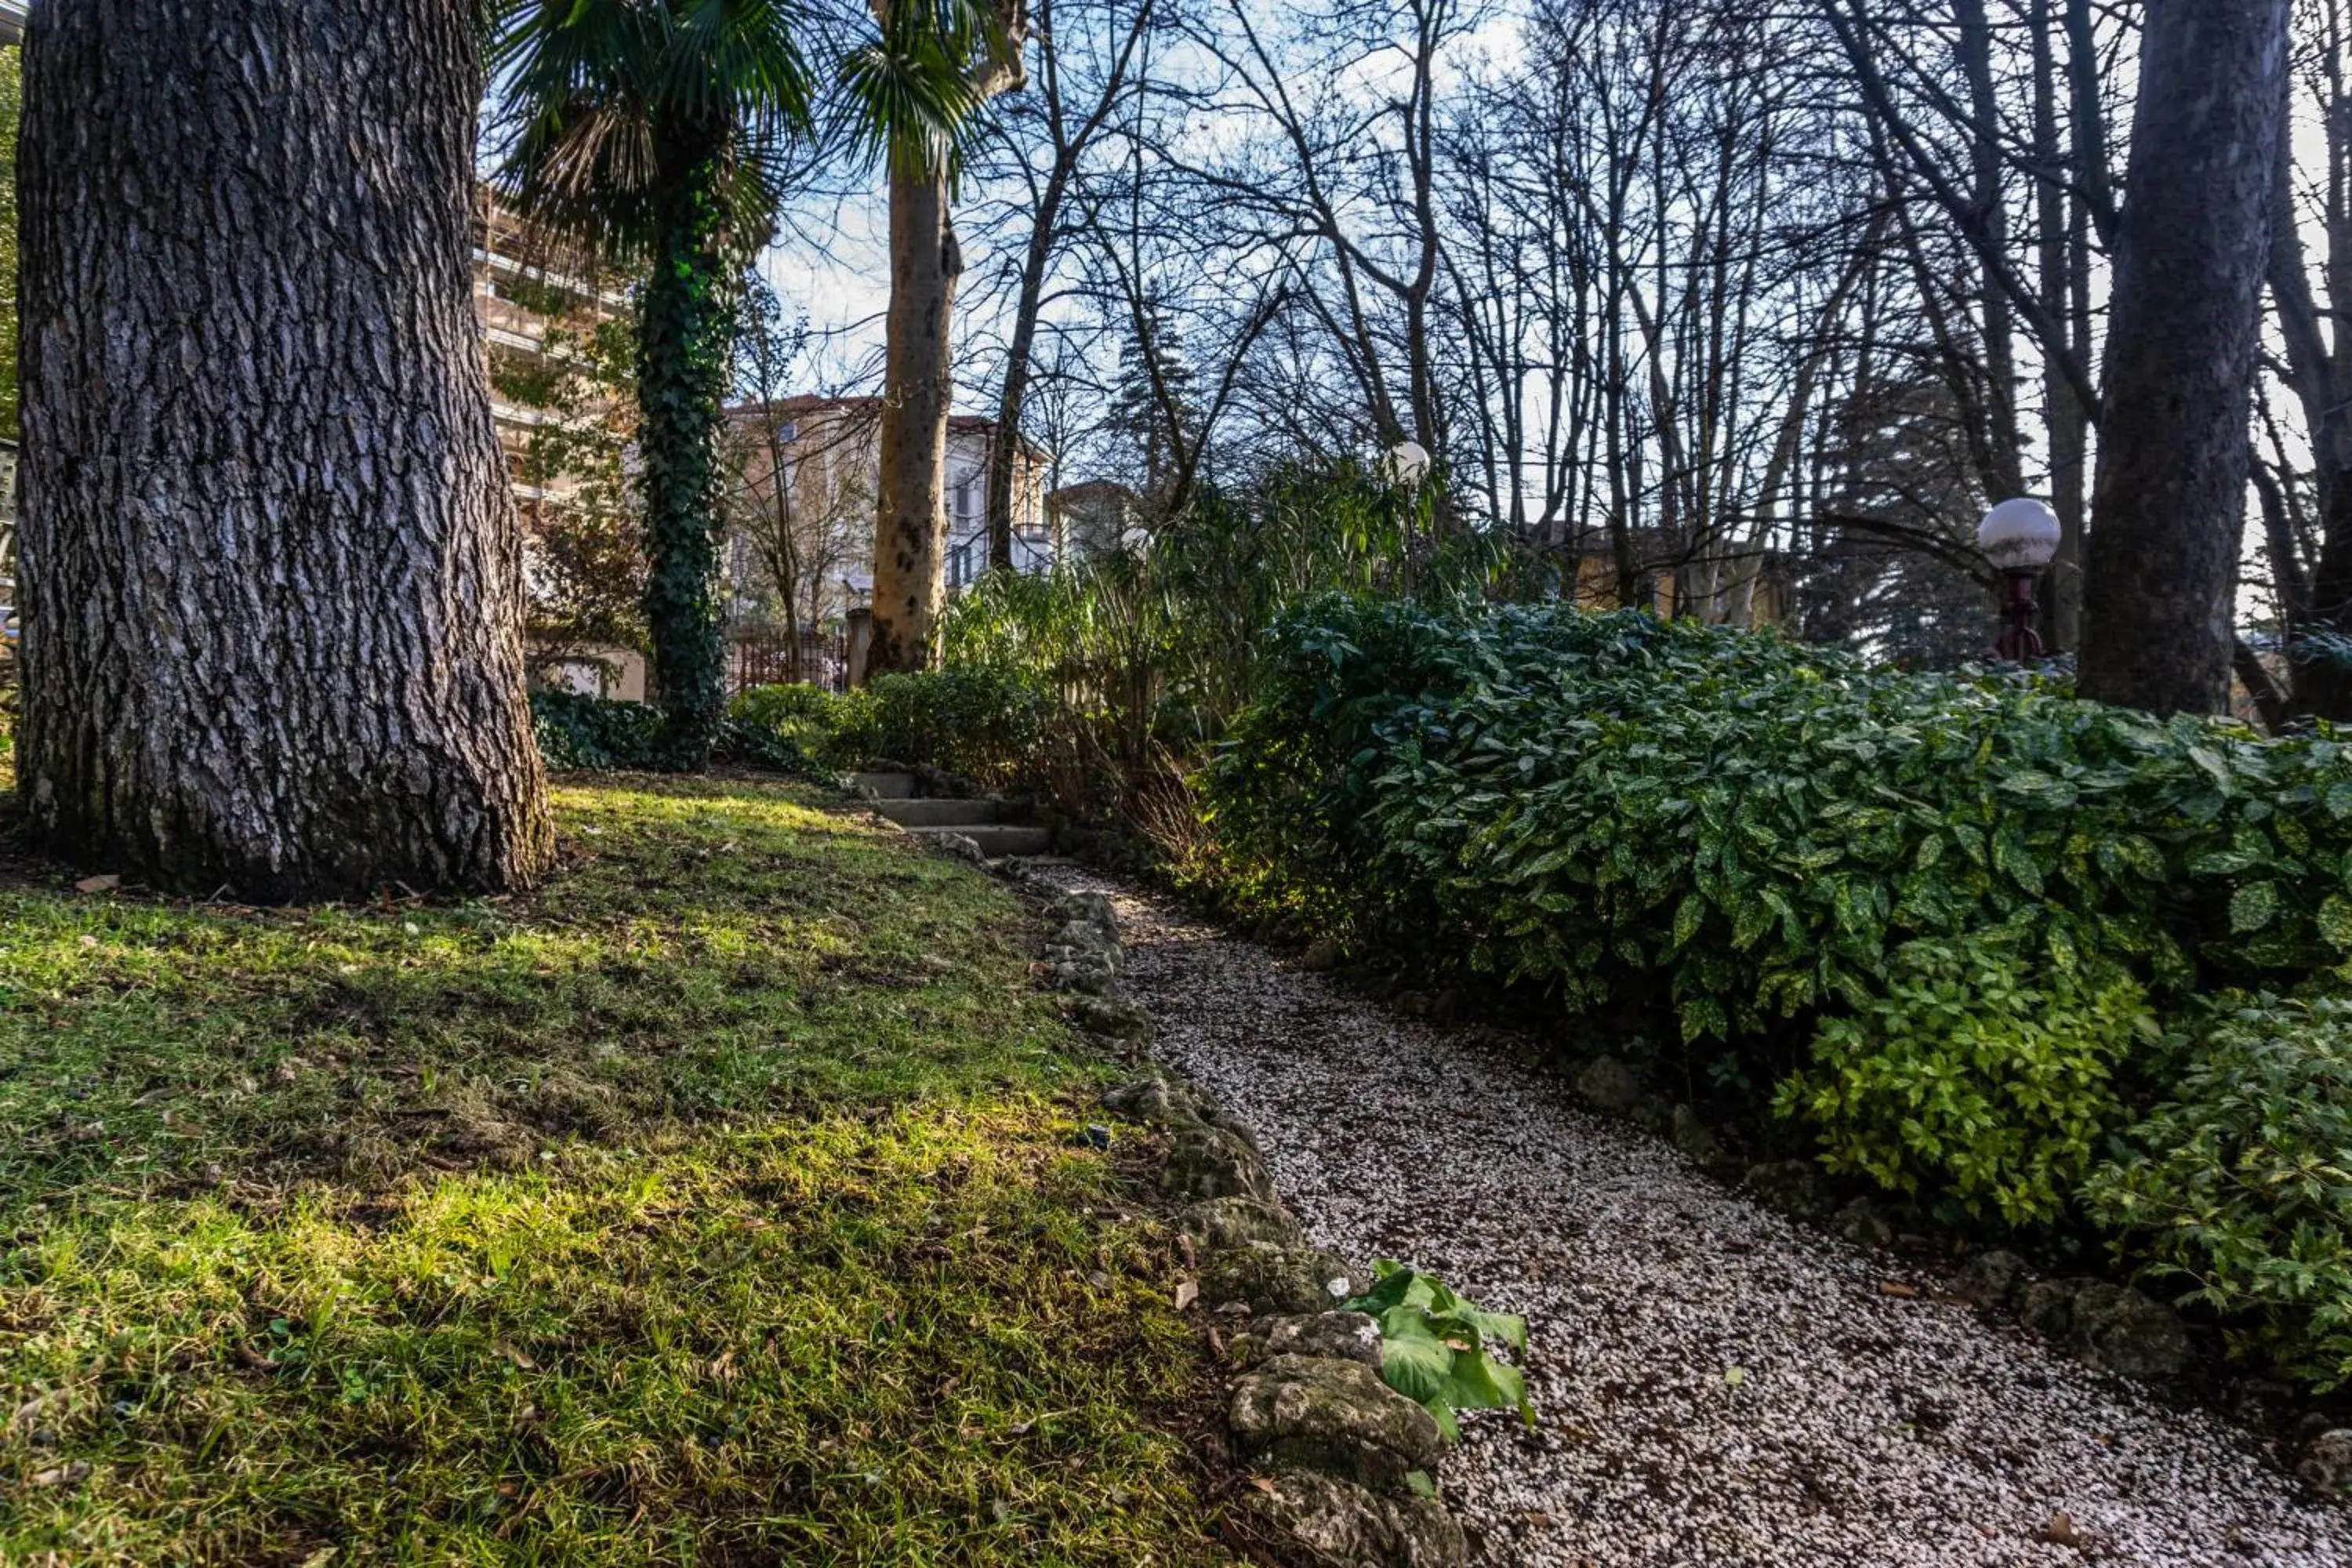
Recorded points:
(763,658)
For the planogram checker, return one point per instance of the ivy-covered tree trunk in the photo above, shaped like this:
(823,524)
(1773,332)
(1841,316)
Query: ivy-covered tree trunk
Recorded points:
(2160,567)
(270,571)
(911,518)
(683,342)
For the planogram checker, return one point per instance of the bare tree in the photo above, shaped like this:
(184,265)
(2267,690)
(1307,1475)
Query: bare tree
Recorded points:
(1091,50)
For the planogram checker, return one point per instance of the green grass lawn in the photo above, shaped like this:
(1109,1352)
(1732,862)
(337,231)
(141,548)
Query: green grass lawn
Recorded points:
(718,1205)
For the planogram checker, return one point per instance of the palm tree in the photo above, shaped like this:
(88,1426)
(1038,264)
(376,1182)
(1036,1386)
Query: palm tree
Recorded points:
(655,132)
(919,88)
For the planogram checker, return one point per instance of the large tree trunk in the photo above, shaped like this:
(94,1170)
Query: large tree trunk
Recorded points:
(2161,568)
(271,572)
(911,518)
(683,333)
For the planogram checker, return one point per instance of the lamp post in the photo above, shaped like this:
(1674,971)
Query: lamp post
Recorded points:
(2020,537)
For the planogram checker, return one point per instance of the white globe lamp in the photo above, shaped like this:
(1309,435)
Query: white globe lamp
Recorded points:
(2019,539)
(1409,463)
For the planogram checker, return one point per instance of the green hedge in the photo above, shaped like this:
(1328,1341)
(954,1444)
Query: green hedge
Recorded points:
(579,731)
(591,732)
(1933,914)
(982,723)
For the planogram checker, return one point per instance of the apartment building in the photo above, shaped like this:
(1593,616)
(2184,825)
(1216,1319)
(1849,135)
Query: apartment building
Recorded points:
(536,303)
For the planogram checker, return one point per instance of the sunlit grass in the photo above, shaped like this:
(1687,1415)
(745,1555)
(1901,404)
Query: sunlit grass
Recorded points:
(718,1205)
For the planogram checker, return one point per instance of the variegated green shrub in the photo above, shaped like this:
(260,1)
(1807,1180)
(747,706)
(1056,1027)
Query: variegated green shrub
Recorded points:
(1756,839)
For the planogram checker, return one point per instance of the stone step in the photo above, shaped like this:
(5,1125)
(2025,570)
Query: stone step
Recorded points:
(996,839)
(939,812)
(886,786)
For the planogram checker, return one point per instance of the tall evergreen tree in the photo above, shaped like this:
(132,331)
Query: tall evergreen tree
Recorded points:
(1152,402)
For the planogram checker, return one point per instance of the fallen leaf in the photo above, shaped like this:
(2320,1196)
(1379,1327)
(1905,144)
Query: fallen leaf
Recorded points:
(518,1358)
(104,883)
(1187,1293)
(62,1475)
(1897,1288)
(2061,1531)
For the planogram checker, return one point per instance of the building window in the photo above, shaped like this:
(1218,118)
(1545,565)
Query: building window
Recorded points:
(960,566)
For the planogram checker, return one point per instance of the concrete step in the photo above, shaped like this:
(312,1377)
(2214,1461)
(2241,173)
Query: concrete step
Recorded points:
(887,787)
(939,811)
(996,839)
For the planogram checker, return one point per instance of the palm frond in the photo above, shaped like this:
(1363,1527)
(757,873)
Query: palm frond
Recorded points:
(910,90)
(593,95)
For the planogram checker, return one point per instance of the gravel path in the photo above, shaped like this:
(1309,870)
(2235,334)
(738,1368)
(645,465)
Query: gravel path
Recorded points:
(1716,1385)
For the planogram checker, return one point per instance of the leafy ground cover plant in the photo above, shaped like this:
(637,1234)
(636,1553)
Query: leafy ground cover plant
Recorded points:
(1434,1346)
(721,1202)
(2239,1186)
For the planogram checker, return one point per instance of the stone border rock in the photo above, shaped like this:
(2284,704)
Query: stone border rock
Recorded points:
(1349,1465)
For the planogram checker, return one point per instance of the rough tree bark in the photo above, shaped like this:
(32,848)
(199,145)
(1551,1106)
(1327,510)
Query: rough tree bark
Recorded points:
(2319,372)
(2161,564)
(2060,247)
(271,573)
